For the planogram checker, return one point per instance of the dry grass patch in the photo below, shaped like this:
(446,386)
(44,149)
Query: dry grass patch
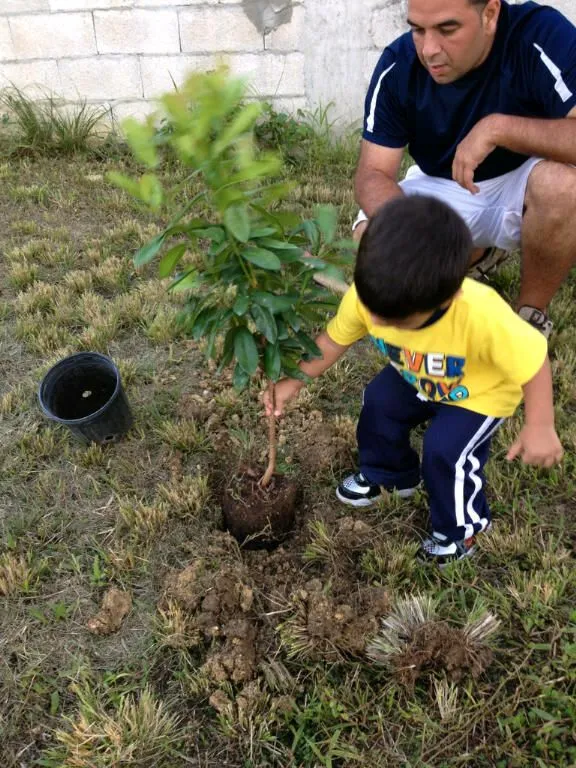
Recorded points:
(186,496)
(79,281)
(143,521)
(136,729)
(184,435)
(40,299)
(41,337)
(19,574)
(22,274)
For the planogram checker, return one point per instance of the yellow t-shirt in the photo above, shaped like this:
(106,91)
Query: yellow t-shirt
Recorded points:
(478,355)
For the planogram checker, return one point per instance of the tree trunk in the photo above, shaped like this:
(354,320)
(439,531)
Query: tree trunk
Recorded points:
(272,444)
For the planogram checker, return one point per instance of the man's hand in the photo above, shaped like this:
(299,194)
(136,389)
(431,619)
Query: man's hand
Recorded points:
(284,391)
(538,446)
(472,151)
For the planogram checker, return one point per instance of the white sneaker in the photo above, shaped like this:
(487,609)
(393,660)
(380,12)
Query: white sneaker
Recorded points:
(438,549)
(356,491)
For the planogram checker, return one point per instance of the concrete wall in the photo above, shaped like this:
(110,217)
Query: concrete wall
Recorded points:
(123,53)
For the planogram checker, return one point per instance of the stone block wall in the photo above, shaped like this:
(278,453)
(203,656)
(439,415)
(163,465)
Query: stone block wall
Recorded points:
(123,53)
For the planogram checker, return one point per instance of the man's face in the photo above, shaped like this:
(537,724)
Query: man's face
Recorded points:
(452,37)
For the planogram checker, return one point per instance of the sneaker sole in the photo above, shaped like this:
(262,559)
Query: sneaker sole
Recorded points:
(405,494)
(357,502)
(468,554)
(433,561)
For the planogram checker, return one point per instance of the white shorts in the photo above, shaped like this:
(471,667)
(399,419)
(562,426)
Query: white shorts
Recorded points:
(494,215)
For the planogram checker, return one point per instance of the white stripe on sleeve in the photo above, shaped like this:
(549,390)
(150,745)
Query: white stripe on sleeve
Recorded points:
(372,116)
(560,86)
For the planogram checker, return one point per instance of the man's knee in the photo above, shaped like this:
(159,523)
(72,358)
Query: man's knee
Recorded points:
(551,191)
(359,230)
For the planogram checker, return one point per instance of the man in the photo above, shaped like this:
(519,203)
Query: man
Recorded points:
(482,93)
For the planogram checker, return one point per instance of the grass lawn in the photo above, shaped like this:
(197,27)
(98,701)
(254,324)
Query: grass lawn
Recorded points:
(230,658)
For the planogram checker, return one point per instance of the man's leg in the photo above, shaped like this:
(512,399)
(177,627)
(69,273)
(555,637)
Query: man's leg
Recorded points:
(482,214)
(548,233)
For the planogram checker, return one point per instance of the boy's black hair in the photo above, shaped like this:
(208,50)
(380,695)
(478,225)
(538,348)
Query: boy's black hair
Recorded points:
(413,257)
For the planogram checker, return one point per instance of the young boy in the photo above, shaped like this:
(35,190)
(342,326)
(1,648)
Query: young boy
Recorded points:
(460,359)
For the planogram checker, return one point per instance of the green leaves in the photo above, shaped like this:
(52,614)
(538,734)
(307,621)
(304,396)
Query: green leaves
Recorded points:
(147,189)
(274,303)
(265,323)
(272,362)
(262,258)
(232,242)
(170,259)
(327,222)
(240,378)
(280,245)
(241,305)
(186,282)
(243,121)
(237,222)
(246,351)
(148,251)
(151,191)
(124,182)
(141,138)
(203,322)
(309,346)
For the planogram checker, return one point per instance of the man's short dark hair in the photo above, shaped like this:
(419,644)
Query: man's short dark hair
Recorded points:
(413,257)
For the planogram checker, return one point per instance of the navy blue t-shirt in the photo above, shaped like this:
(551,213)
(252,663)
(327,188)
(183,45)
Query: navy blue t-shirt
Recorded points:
(530,72)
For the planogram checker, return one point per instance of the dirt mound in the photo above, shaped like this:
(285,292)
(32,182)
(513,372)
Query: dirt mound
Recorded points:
(215,606)
(319,446)
(352,534)
(236,661)
(437,646)
(330,626)
(242,608)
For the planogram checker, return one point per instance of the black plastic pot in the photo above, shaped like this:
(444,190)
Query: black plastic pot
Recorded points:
(84,392)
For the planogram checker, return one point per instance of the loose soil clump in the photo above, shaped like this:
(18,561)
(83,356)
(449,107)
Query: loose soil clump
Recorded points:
(214,607)
(116,605)
(437,646)
(331,626)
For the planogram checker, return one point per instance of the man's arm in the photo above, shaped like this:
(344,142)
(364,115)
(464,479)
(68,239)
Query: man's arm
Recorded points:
(550,139)
(376,179)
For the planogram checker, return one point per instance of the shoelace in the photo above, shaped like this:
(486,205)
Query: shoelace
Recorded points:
(355,480)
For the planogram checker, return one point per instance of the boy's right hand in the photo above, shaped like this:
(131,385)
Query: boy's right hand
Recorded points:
(284,391)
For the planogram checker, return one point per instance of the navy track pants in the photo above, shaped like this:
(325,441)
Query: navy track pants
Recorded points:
(456,448)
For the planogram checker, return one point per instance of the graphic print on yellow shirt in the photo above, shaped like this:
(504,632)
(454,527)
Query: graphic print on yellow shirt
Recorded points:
(436,376)
(478,355)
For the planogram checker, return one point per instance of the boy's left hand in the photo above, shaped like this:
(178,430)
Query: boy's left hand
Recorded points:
(538,446)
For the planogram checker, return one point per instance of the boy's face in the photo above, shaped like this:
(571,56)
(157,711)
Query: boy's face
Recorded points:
(410,323)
